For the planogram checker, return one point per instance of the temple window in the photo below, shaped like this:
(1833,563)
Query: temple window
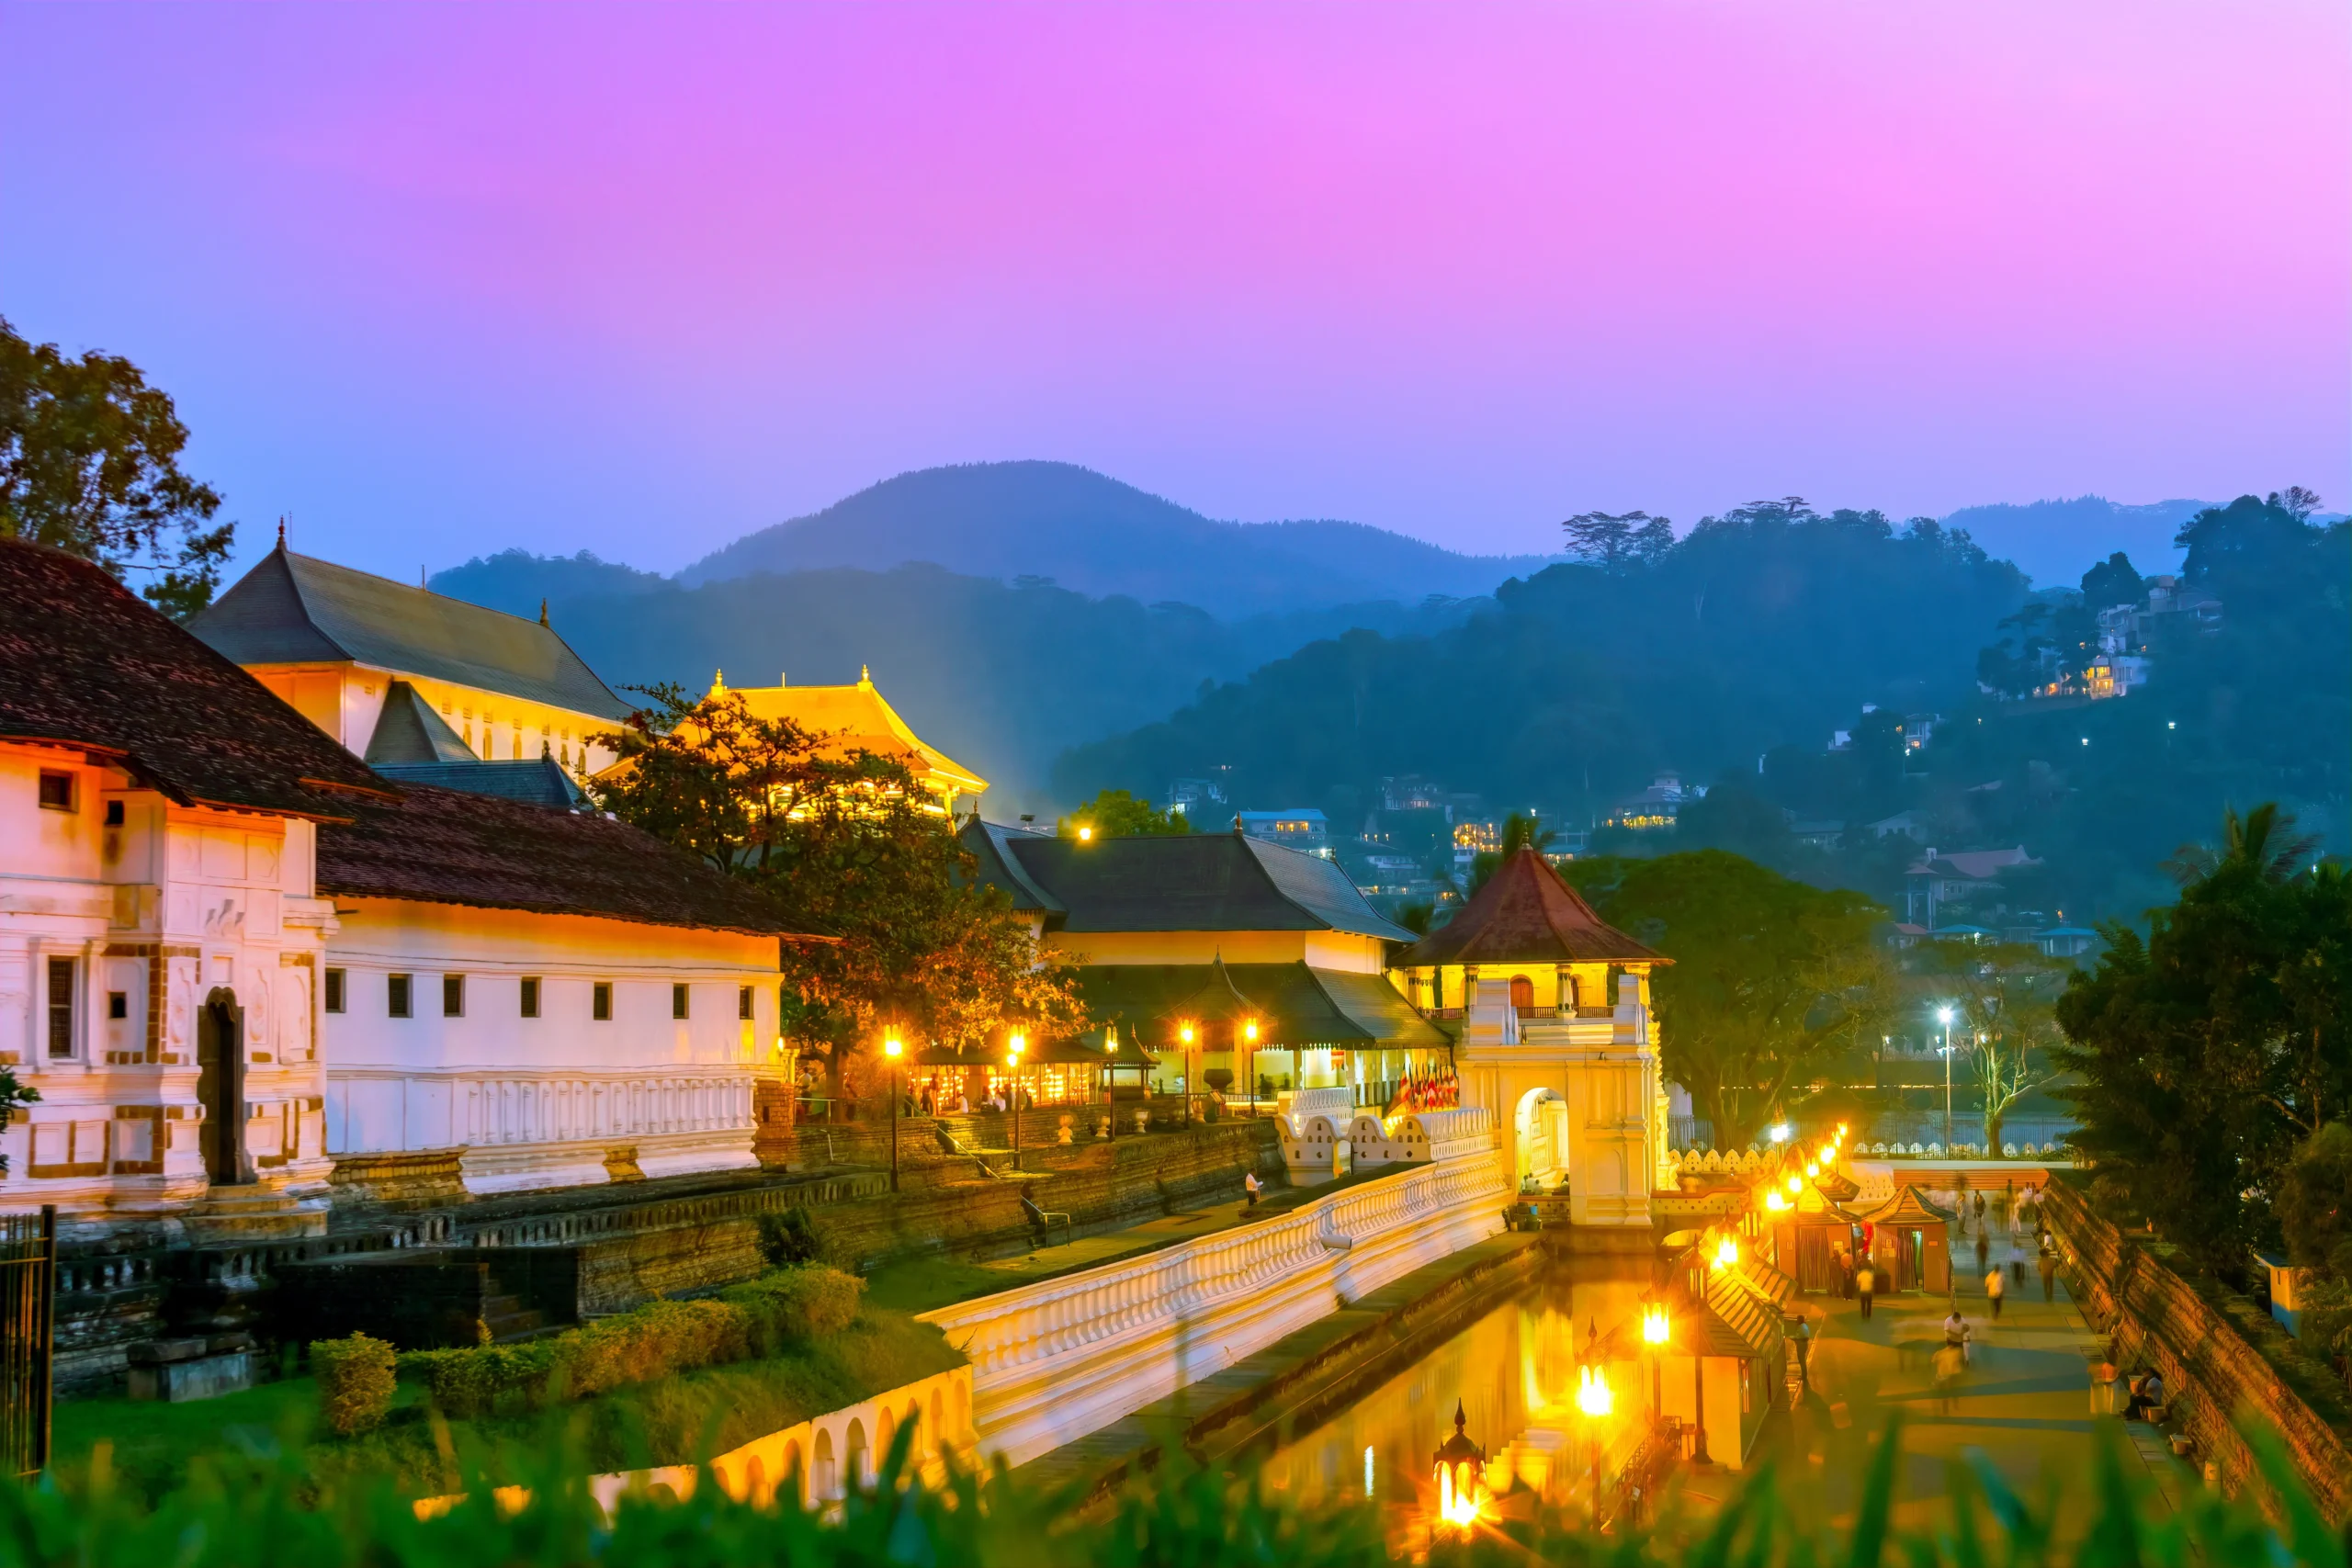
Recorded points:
(56,790)
(600,1002)
(531,995)
(396,994)
(60,1007)
(678,1001)
(453,996)
(334,990)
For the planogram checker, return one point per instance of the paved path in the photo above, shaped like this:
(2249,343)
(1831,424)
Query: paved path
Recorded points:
(2024,1402)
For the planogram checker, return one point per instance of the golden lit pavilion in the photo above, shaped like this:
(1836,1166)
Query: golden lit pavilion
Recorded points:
(857,717)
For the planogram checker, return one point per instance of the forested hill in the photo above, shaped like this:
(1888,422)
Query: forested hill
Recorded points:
(1093,534)
(1733,656)
(1757,627)
(1002,677)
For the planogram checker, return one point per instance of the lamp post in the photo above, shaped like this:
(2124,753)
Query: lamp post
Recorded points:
(1943,1016)
(1250,1061)
(890,1049)
(1460,1464)
(1656,1330)
(1185,1035)
(1014,1048)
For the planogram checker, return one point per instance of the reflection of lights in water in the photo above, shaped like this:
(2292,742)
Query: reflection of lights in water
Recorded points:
(1593,1395)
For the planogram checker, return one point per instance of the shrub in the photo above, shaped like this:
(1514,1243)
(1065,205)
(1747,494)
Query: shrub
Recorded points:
(356,1383)
(791,1304)
(653,1341)
(789,1238)
(473,1381)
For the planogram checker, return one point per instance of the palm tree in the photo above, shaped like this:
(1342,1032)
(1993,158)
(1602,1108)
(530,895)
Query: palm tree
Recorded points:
(2262,839)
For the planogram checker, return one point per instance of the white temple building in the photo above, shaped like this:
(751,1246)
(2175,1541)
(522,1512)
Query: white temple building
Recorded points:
(235,962)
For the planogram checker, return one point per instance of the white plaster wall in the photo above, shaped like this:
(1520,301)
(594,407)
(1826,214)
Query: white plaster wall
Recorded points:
(542,1101)
(174,901)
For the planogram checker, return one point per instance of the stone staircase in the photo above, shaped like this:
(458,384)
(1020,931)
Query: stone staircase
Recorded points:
(506,1317)
(253,1212)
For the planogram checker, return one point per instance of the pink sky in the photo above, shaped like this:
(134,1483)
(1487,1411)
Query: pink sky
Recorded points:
(440,280)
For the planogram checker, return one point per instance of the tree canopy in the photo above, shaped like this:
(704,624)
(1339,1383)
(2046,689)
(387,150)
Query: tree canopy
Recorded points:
(843,847)
(2211,1049)
(1115,814)
(1773,982)
(89,463)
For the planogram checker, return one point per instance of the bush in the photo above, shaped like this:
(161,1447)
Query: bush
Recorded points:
(789,1238)
(356,1383)
(790,1305)
(646,1344)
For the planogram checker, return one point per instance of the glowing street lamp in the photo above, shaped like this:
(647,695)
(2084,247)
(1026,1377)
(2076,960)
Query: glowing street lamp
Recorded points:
(1085,834)
(1460,1466)
(890,1049)
(1013,1047)
(1796,1185)
(1185,1035)
(1249,1060)
(1728,1252)
(1943,1016)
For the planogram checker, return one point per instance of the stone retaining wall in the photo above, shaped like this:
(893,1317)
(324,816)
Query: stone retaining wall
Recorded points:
(2215,1378)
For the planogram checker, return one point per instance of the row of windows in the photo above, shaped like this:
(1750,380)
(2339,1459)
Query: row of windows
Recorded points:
(400,996)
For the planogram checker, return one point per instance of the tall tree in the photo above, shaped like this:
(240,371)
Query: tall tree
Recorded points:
(90,463)
(843,846)
(1772,981)
(1616,541)
(2207,1051)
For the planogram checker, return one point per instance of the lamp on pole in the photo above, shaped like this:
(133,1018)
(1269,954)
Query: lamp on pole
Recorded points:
(1250,1061)
(1943,1016)
(890,1049)
(1013,1047)
(1185,1035)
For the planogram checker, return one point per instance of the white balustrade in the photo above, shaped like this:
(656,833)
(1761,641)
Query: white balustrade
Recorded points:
(505,1109)
(1056,1360)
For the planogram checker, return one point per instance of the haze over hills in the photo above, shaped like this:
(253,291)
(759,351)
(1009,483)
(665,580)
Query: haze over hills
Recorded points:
(2054,541)
(1100,536)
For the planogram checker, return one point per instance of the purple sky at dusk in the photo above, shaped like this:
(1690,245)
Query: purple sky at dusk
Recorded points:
(442,280)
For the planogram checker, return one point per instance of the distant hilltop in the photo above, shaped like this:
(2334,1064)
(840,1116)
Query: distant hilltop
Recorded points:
(1093,535)
(2054,541)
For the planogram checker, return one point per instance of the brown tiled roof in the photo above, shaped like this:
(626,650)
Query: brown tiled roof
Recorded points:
(85,662)
(446,846)
(1525,914)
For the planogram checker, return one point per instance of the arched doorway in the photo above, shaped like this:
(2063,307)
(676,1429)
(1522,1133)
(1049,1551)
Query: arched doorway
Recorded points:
(1522,994)
(221,1086)
(1531,1135)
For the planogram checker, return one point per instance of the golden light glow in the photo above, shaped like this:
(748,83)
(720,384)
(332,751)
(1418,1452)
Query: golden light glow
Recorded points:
(1796,1184)
(1184,1033)
(1593,1395)
(1457,1496)
(1774,1201)
(890,1046)
(1654,1326)
(1726,1253)
(1250,1031)
(1085,835)
(1018,1043)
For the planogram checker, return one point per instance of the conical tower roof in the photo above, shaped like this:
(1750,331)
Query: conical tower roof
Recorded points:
(1526,914)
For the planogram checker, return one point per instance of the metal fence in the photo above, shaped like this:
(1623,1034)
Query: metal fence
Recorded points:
(27,1298)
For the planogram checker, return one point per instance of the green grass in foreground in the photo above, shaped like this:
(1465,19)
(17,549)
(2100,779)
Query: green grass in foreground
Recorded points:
(255,1514)
(669,1422)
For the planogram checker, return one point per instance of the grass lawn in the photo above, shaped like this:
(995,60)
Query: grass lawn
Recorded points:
(669,1422)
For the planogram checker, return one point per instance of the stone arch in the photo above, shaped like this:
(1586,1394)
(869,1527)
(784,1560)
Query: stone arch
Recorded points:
(942,1440)
(824,1476)
(1528,1130)
(792,1475)
(857,1456)
(885,1432)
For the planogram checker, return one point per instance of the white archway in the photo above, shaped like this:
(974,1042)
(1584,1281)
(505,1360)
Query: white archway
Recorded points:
(1531,1129)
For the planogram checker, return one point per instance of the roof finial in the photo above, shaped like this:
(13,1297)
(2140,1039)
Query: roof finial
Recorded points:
(281,532)
(717,681)
(865,676)
(543,612)
(420,576)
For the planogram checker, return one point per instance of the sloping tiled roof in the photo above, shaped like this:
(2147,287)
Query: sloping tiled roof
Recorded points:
(408,730)
(985,841)
(537,783)
(83,662)
(1296,1005)
(445,846)
(1526,914)
(856,717)
(1908,1206)
(1200,882)
(294,609)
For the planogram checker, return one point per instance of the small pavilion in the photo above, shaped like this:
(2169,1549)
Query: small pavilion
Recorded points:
(1911,1243)
(1554,1036)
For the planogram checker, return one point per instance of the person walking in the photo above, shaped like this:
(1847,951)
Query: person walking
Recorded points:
(2049,1267)
(1980,1214)
(1950,1361)
(1984,1247)
(1956,1335)
(1865,1285)
(1250,1184)
(1995,1287)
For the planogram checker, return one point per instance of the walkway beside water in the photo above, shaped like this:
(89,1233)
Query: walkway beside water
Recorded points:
(2025,1404)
